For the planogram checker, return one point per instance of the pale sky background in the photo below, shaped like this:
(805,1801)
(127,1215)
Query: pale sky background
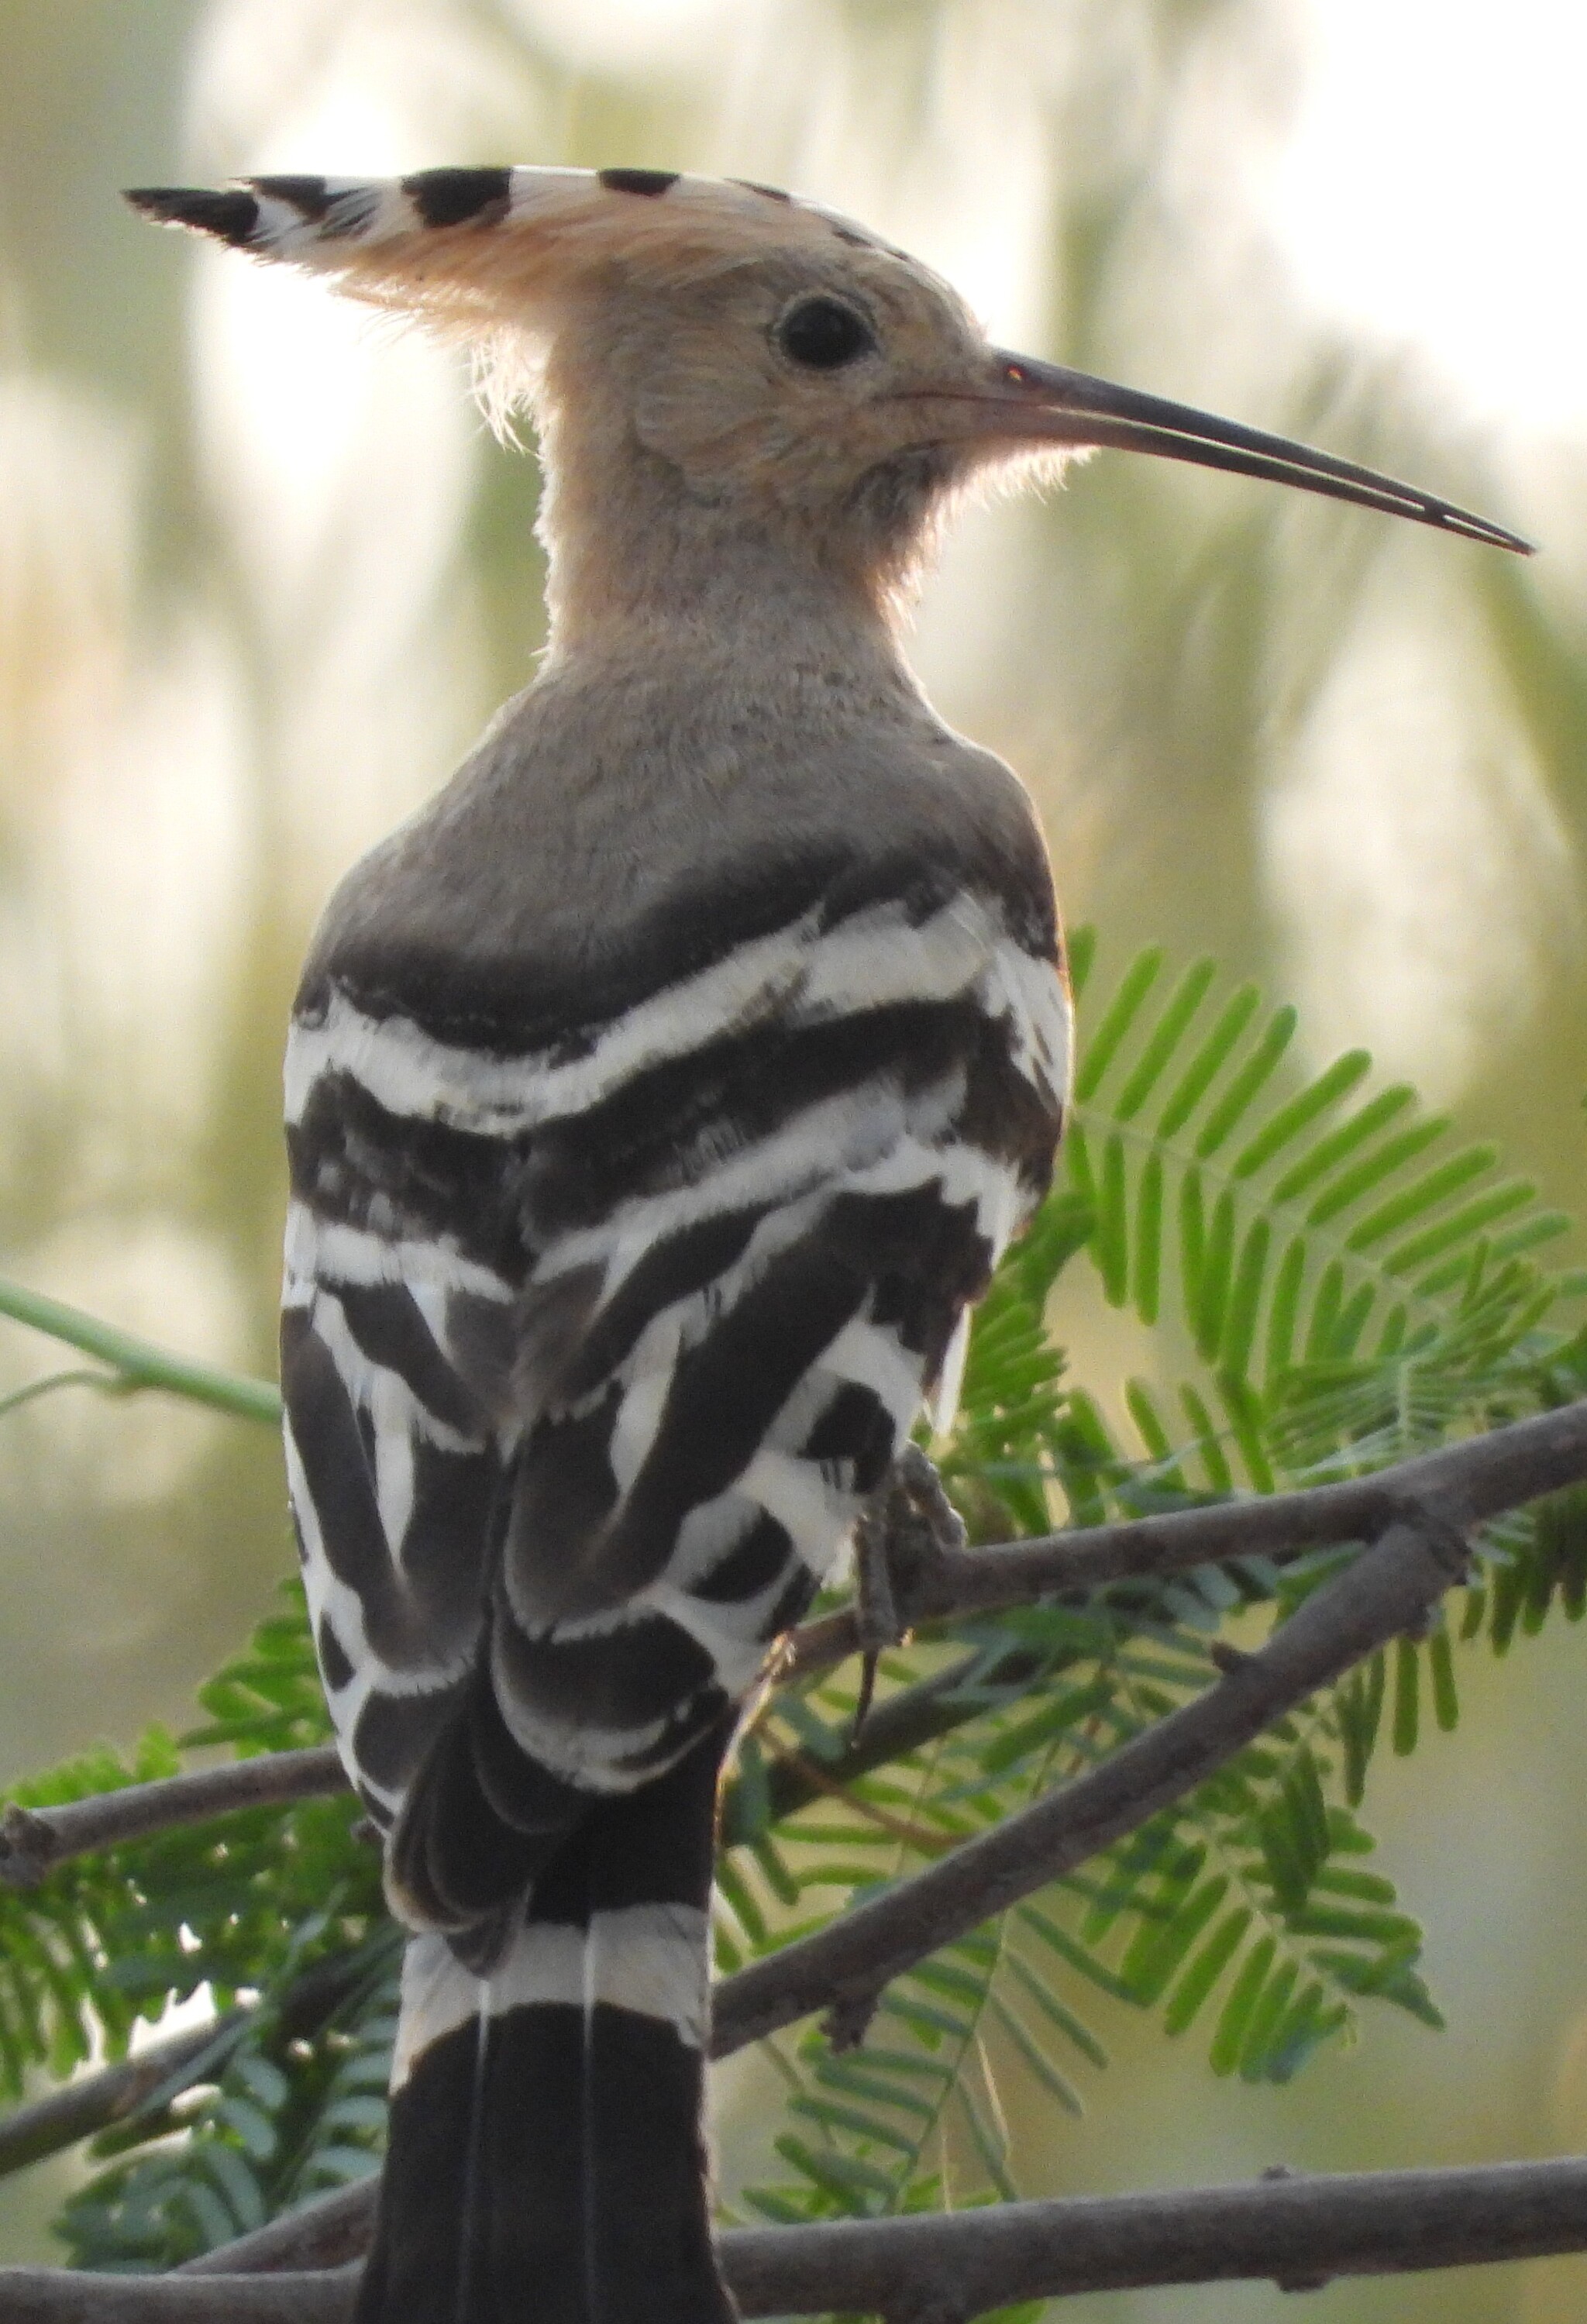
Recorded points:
(1433,192)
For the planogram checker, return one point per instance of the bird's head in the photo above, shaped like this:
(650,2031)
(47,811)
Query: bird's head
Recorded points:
(714,364)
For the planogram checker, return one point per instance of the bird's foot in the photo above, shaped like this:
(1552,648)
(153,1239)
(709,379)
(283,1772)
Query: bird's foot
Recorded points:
(905,1530)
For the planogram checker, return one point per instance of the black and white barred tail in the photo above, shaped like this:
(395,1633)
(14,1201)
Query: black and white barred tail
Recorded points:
(546,2159)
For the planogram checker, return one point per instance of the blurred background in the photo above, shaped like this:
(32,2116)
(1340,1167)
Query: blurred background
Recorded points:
(264,573)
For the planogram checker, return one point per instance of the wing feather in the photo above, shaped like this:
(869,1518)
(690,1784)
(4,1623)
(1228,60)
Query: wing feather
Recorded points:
(590,1361)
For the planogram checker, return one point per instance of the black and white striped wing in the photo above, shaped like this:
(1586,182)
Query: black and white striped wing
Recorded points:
(591,1354)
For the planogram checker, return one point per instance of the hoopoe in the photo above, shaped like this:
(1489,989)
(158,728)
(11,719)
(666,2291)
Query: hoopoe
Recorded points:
(660,1099)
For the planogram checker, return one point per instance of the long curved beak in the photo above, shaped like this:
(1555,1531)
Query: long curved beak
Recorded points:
(1042,403)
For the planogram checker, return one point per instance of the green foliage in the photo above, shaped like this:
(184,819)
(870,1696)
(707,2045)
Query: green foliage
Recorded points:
(1329,1282)
(260,1907)
(288,2104)
(1339,1275)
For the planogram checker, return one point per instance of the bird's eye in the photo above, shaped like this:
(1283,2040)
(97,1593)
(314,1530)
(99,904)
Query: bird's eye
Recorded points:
(823,334)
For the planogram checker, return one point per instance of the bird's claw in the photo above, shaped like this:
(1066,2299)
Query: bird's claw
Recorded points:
(905,1528)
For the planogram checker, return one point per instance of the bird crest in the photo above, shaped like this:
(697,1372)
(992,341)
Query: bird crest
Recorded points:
(485,245)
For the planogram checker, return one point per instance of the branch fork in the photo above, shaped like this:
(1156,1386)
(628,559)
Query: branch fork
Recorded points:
(848,2021)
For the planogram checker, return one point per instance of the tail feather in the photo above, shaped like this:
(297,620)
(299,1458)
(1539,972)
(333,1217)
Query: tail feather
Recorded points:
(546,2160)
(479,1826)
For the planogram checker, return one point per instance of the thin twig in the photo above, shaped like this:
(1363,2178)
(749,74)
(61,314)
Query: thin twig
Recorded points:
(35,1840)
(112,2094)
(1384,1592)
(1478,1478)
(106,1383)
(1290,2230)
(142,1363)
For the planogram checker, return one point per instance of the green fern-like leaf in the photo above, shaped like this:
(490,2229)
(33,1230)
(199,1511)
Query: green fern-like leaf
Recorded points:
(1368,1284)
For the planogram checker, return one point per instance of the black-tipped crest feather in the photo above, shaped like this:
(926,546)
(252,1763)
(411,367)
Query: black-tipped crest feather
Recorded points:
(231,216)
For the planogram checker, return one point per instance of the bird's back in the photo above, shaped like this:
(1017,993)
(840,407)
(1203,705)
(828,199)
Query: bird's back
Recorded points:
(624,821)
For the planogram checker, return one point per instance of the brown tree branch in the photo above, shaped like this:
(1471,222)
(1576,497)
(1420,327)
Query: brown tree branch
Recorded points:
(1472,1481)
(1296,2232)
(1386,1592)
(1476,1479)
(45,2295)
(112,2094)
(32,1840)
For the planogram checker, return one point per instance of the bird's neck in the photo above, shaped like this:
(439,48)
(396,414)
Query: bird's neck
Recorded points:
(639,566)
